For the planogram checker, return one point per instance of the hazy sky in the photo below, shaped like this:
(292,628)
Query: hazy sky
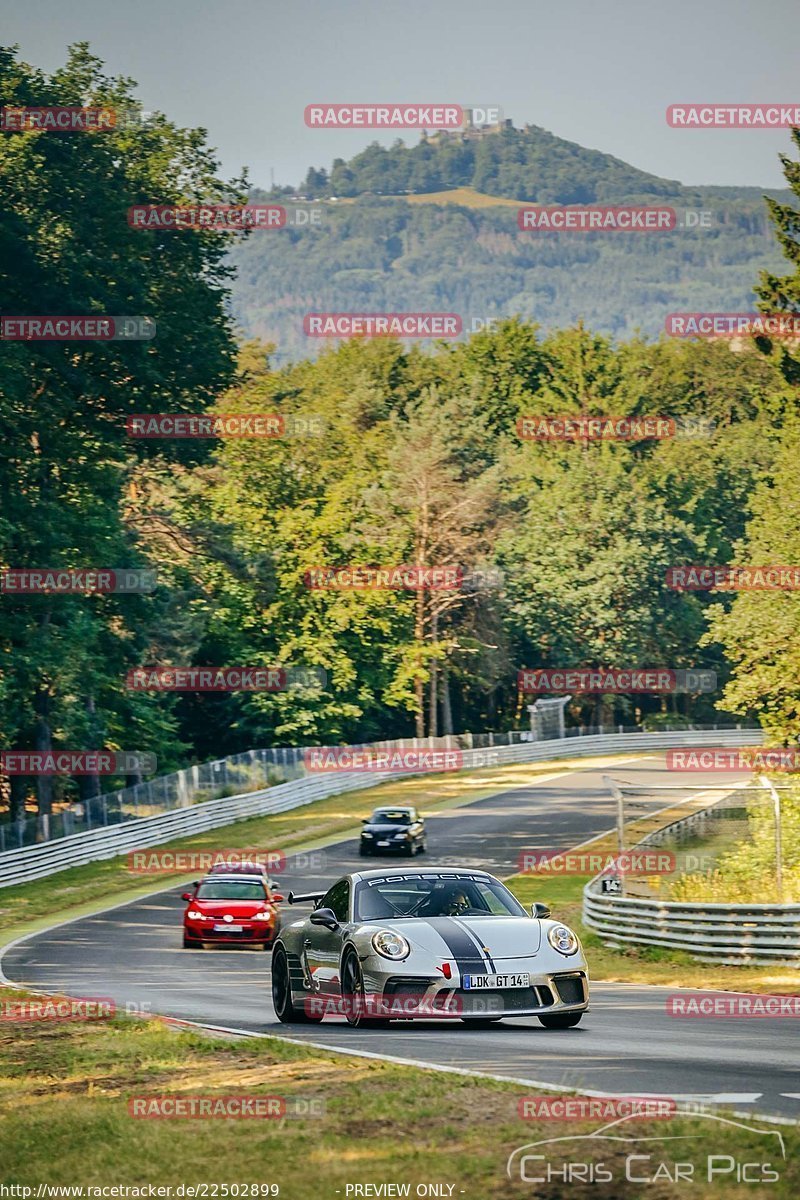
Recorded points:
(600,74)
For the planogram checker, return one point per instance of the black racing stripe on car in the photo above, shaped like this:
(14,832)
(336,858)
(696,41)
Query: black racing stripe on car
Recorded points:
(461,946)
(480,947)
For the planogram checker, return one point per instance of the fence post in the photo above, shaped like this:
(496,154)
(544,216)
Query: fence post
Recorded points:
(776,808)
(616,792)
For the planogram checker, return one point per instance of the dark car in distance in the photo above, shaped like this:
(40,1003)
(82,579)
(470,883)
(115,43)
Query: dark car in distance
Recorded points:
(396,829)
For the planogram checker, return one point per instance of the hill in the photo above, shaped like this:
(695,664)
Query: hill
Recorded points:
(432,227)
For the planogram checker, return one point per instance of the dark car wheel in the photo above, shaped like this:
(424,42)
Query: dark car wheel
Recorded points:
(353,995)
(285,1009)
(561,1020)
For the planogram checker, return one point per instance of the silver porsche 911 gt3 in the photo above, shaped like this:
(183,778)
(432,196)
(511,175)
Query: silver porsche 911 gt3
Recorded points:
(426,943)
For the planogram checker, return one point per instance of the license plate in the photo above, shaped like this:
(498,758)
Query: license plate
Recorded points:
(228,928)
(383,843)
(476,983)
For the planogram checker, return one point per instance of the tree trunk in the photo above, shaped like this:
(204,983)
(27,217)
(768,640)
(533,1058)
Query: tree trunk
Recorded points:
(43,742)
(447,711)
(433,698)
(89,785)
(419,637)
(19,790)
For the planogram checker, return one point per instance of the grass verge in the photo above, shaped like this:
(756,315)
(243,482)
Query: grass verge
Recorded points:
(64,1121)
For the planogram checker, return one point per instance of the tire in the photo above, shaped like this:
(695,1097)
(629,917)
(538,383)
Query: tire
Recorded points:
(353,989)
(285,1009)
(561,1020)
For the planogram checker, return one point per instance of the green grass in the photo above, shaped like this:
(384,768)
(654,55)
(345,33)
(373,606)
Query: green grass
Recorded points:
(64,1119)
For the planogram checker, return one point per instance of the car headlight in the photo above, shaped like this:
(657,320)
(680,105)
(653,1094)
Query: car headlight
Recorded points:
(402,836)
(364,833)
(262,916)
(194,915)
(390,945)
(562,939)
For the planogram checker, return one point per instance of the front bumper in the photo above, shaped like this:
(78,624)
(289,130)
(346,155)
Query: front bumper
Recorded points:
(371,846)
(259,932)
(423,998)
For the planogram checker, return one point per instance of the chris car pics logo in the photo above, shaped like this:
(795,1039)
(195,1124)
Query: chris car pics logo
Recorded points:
(615,1154)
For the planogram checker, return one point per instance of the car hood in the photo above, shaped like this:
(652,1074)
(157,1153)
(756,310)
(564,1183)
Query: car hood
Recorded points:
(236,908)
(469,938)
(385,830)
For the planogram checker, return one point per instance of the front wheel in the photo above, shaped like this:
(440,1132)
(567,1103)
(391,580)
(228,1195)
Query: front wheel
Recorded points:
(285,1008)
(354,995)
(561,1020)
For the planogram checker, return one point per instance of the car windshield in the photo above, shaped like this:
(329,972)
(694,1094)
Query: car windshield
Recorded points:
(393,816)
(230,890)
(429,896)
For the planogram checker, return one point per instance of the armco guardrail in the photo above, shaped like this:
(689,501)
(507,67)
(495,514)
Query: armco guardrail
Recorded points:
(729,934)
(34,862)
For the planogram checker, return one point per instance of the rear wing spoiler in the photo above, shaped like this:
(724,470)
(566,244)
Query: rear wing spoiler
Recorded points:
(305,897)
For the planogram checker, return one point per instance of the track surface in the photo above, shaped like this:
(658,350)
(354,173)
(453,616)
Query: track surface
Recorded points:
(626,1044)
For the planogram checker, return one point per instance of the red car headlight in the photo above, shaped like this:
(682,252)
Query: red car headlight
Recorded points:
(194,915)
(262,916)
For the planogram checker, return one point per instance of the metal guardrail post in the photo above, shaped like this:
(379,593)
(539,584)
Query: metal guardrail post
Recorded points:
(776,807)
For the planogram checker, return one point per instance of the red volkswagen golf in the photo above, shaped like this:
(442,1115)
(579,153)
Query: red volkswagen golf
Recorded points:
(228,909)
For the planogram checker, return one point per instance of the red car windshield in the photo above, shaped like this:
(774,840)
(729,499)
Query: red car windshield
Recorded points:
(231,890)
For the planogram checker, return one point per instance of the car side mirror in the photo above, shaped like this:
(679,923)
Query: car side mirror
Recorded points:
(187,896)
(324,916)
(365,820)
(278,896)
(540,911)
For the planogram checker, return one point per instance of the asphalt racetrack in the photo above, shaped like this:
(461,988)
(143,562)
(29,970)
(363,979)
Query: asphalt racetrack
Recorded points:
(626,1044)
